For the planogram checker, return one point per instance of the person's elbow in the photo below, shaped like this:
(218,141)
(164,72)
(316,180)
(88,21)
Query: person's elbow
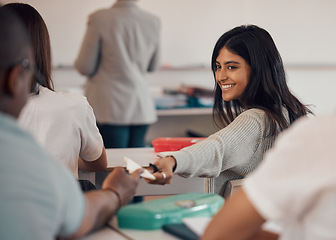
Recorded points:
(151,68)
(100,165)
(92,166)
(84,68)
(101,162)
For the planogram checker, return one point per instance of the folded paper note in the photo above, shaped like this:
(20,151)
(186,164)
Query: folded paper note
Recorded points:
(132,166)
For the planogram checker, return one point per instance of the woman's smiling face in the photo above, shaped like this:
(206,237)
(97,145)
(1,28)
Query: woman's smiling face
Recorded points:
(232,74)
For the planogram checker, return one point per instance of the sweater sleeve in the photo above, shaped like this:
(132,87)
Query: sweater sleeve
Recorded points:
(232,146)
(88,57)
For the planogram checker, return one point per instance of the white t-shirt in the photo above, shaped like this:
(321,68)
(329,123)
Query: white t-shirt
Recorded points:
(295,185)
(64,124)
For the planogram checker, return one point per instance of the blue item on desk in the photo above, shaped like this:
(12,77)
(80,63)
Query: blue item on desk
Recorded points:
(199,102)
(154,214)
(183,101)
(181,231)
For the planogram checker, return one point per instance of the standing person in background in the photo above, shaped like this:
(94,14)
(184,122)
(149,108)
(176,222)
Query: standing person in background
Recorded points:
(39,197)
(252,103)
(120,45)
(63,123)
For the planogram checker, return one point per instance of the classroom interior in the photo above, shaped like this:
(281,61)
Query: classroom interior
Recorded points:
(304,32)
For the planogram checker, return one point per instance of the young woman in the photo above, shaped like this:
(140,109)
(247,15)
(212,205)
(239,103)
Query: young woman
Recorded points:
(252,105)
(295,187)
(63,123)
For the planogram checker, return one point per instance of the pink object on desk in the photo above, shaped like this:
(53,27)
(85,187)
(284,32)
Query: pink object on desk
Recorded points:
(167,144)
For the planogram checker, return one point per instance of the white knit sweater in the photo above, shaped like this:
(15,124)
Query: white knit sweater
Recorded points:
(231,153)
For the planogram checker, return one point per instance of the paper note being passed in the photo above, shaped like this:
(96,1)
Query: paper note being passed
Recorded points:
(132,166)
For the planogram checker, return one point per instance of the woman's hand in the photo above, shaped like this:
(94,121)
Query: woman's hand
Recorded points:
(165,173)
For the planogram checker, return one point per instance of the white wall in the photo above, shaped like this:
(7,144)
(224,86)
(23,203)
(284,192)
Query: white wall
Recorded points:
(304,30)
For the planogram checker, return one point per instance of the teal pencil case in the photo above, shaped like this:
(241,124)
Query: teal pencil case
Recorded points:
(154,214)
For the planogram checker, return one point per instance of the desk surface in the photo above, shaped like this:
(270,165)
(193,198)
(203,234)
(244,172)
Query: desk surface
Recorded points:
(127,234)
(104,234)
(144,156)
(116,233)
(108,234)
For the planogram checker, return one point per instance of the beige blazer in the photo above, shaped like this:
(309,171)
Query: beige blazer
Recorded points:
(120,45)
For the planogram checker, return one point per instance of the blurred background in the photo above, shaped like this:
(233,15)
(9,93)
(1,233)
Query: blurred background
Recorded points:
(303,30)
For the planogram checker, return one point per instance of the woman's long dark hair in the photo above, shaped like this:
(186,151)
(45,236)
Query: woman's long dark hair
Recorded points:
(267,88)
(39,35)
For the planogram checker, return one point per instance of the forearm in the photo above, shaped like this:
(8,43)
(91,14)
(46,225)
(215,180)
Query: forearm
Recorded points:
(118,189)
(99,164)
(238,219)
(199,160)
(100,208)
(265,235)
(230,147)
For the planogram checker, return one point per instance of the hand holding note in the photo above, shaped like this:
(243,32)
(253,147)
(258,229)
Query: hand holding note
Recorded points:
(131,166)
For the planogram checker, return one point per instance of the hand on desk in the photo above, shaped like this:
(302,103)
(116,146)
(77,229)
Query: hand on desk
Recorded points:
(122,183)
(164,173)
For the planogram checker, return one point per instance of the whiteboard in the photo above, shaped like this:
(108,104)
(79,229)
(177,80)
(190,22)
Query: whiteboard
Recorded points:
(304,30)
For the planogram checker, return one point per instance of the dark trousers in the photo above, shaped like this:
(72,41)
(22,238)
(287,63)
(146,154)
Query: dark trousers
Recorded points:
(124,136)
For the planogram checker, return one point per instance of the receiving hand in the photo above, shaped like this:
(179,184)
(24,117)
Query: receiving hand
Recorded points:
(123,183)
(165,173)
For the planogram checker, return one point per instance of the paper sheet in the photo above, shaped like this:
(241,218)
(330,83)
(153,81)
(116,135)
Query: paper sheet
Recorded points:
(132,166)
(197,224)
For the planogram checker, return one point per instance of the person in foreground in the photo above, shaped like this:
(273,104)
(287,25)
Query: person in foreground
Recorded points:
(63,123)
(252,104)
(295,186)
(39,197)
